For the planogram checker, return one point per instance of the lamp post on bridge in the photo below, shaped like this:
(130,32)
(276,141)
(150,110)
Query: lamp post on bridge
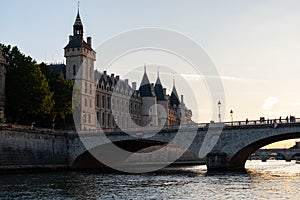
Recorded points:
(231,114)
(219,105)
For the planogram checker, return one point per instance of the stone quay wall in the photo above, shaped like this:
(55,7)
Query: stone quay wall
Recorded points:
(23,148)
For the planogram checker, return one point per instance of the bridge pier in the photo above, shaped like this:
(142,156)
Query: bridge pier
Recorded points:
(217,162)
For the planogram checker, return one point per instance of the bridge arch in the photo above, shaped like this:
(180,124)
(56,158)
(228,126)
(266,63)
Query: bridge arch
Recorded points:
(86,160)
(296,156)
(238,160)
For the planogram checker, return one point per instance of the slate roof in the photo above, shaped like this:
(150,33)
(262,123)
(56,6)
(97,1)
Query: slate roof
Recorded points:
(145,87)
(174,100)
(78,41)
(78,20)
(159,91)
(58,69)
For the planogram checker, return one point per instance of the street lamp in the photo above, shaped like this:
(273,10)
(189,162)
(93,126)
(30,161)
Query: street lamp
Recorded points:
(231,114)
(219,104)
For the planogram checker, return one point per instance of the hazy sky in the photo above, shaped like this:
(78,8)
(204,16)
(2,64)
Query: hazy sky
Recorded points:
(254,44)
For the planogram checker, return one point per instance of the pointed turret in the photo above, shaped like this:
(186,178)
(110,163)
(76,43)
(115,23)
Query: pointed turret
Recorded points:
(76,40)
(78,26)
(158,88)
(145,87)
(174,99)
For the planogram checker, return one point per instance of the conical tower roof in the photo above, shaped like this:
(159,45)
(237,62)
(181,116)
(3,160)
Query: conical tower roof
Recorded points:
(145,87)
(158,88)
(78,26)
(78,20)
(174,99)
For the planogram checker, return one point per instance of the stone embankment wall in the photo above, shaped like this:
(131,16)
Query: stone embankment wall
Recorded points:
(23,148)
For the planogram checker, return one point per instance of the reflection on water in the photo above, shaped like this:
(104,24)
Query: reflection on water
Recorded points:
(271,180)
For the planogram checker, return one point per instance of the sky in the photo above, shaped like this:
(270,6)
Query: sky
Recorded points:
(254,46)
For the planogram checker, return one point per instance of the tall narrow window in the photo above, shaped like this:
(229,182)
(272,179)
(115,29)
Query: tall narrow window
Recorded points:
(103,102)
(103,119)
(74,70)
(85,88)
(108,120)
(86,70)
(91,73)
(97,100)
(108,102)
(90,89)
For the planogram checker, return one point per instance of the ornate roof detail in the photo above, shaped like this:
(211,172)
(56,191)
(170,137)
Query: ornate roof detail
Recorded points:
(78,20)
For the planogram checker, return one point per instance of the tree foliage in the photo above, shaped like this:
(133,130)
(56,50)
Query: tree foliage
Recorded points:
(27,90)
(62,93)
(34,92)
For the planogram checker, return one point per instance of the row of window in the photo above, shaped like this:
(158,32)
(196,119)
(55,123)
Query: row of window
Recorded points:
(88,72)
(86,103)
(107,120)
(78,49)
(86,88)
(87,118)
(117,104)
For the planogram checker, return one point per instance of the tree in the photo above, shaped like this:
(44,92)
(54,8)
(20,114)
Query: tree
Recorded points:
(27,90)
(62,94)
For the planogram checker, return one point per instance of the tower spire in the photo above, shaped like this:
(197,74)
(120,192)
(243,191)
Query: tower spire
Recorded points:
(78,26)
(173,79)
(78,4)
(158,72)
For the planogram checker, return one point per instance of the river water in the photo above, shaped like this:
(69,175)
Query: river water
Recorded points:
(270,180)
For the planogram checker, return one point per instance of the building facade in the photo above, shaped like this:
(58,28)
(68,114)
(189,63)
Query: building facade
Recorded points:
(108,102)
(3,64)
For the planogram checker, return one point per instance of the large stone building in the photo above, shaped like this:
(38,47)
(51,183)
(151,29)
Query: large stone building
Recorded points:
(3,64)
(108,102)
(120,105)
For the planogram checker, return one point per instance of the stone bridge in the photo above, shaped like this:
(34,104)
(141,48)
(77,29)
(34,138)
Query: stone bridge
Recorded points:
(286,154)
(226,149)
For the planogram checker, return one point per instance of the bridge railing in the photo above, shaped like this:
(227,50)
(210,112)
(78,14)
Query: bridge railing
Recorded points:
(259,123)
(263,121)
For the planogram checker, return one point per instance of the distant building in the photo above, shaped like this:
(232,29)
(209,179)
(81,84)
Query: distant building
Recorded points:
(108,102)
(3,64)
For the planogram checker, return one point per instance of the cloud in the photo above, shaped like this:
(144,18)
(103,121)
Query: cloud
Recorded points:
(269,103)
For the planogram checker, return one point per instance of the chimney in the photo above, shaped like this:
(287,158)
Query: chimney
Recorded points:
(89,41)
(104,72)
(126,81)
(70,37)
(181,98)
(134,86)
(112,76)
